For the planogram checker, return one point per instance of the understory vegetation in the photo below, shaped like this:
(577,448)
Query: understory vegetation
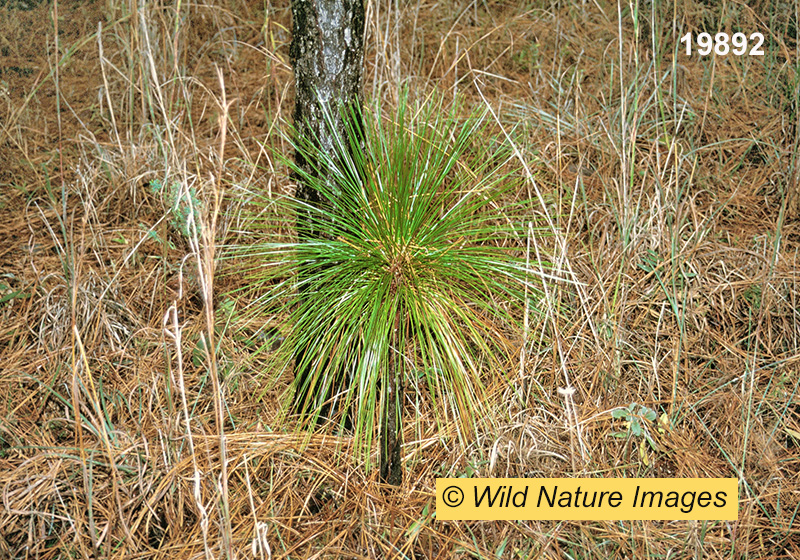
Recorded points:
(597,278)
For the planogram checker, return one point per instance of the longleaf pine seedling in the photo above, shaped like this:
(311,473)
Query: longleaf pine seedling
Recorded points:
(419,273)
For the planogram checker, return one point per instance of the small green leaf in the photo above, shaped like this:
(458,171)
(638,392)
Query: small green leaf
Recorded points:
(501,548)
(199,353)
(18,294)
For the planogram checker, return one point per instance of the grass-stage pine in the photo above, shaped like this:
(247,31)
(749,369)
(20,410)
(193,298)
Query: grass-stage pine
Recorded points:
(418,281)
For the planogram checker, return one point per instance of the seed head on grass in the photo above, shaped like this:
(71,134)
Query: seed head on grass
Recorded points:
(420,270)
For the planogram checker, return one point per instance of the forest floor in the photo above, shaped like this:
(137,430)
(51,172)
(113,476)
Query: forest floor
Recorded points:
(671,186)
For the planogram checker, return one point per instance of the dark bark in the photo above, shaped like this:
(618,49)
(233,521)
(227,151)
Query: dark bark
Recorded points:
(327,53)
(391,423)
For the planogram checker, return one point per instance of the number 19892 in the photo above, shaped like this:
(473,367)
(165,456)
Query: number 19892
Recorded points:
(721,44)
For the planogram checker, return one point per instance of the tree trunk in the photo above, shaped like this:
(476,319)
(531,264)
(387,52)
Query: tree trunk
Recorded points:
(327,53)
(392,421)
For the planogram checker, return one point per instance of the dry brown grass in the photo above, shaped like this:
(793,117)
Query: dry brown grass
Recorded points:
(674,222)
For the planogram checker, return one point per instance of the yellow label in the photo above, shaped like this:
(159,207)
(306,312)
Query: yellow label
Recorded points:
(588,499)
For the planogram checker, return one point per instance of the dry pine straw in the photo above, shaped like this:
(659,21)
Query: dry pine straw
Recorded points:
(126,484)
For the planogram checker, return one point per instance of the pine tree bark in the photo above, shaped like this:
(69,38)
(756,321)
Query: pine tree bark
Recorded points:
(392,421)
(327,54)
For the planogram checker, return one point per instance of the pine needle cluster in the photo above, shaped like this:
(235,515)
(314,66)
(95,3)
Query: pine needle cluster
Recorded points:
(419,279)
